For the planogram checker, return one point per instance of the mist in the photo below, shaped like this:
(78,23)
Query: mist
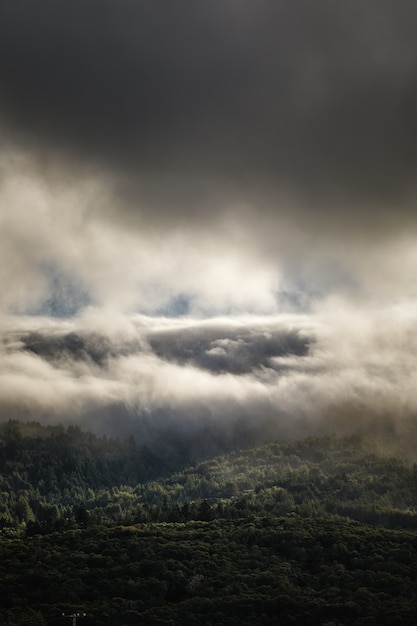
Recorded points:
(212,385)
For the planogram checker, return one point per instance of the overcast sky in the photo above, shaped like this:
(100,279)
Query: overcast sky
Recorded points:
(208,213)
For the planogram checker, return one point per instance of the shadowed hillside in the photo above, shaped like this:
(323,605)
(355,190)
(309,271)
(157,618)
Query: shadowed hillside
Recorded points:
(318,531)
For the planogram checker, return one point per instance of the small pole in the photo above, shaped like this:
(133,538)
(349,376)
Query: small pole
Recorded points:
(73,617)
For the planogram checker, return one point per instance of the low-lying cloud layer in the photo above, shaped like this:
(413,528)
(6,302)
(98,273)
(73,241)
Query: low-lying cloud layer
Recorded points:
(208,216)
(213,384)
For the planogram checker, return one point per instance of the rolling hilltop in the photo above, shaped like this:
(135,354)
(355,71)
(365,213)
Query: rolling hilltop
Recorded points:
(319,531)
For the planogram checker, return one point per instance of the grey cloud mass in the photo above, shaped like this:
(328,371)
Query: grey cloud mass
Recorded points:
(208,216)
(217,348)
(190,106)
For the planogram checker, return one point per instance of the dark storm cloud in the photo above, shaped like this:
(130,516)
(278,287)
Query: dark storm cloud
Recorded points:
(216,348)
(186,102)
(237,351)
(69,346)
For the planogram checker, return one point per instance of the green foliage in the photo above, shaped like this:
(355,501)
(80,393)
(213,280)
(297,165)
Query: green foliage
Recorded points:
(50,477)
(262,536)
(289,570)
(44,471)
(322,477)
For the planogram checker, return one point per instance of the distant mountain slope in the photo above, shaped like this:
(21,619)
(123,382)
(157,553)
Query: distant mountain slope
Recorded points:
(51,475)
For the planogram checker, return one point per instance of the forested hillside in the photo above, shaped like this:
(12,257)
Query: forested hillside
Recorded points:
(50,475)
(44,471)
(319,531)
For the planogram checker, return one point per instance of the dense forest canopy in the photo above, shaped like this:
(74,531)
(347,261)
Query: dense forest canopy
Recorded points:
(312,531)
